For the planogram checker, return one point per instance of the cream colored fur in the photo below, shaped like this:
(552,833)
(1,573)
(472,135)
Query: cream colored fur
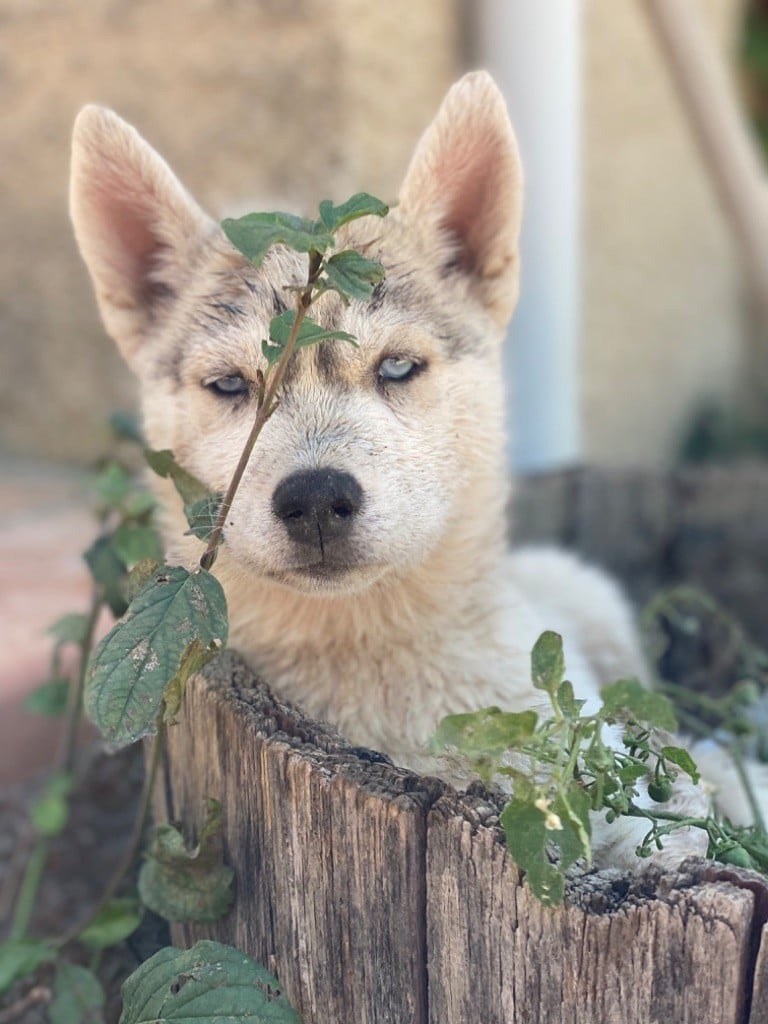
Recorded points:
(431,614)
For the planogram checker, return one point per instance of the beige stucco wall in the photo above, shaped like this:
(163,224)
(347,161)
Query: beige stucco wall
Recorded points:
(664,303)
(245,98)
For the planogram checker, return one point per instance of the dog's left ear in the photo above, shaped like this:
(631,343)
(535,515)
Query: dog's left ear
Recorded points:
(138,229)
(465,177)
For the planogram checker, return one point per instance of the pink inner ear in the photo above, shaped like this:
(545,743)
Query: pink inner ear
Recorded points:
(471,193)
(130,244)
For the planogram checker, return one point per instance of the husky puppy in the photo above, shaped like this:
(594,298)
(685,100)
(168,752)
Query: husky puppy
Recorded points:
(366,563)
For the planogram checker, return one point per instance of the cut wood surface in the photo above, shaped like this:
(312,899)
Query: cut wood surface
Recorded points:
(381,897)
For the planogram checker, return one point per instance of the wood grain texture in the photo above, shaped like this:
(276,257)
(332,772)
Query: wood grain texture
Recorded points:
(328,852)
(669,952)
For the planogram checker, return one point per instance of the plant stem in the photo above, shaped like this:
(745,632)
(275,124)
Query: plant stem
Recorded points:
(734,749)
(30,883)
(266,408)
(139,827)
(66,759)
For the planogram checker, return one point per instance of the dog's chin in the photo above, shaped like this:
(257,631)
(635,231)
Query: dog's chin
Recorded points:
(323,579)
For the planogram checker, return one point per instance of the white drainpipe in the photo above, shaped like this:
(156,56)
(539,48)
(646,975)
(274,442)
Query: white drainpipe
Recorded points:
(532,48)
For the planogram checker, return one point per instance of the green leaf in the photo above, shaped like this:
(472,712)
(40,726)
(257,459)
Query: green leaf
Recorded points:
(359,205)
(137,659)
(116,920)
(184,884)
(139,576)
(195,656)
(310,333)
(630,697)
(139,504)
(256,233)
(135,542)
(109,572)
(20,957)
(353,275)
(50,811)
(165,465)
(570,707)
(547,662)
(201,515)
(208,984)
(683,760)
(49,699)
(487,732)
(574,840)
(78,997)
(70,629)
(630,773)
(126,427)
(527,838)
(112,485)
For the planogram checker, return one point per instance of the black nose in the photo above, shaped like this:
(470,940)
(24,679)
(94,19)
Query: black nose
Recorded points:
(317,506)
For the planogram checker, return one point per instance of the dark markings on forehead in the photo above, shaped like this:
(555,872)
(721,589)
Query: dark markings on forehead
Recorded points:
(435,308)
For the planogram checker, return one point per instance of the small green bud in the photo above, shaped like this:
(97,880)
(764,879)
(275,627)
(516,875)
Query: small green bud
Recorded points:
(735,855)
(660,790)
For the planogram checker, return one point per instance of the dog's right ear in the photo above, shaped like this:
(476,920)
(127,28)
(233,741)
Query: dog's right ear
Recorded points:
(138,229)
(465,179)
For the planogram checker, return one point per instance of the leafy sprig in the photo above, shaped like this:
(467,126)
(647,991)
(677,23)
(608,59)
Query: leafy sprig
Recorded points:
(562,769)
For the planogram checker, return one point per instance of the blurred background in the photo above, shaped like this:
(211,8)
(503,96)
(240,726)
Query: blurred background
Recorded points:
(640,338)
(636,318)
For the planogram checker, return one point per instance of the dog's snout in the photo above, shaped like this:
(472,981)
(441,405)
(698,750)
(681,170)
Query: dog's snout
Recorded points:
(317,505)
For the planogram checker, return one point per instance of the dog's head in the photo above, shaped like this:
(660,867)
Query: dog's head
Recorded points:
(374,451)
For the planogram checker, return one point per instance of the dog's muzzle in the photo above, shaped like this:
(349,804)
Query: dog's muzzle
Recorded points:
(318,506)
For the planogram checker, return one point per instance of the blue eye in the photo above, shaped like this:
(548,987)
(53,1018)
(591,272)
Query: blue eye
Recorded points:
(394,368)
(229,386)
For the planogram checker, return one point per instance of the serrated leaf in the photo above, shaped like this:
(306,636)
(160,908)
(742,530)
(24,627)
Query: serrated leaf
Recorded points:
(108,570)
(50,811)
(78,997)
(353,275)
(359,205)
(20,957)
(527,838)
(184,884)
(256,233)
(214,982)
(489,731)
(201,515)
(125,426)
(630,697)
(70,629)
(683,760)
(49,699)
(135,542)
(165,465)
(548,662)
(137,659)
(116,920)
(195,656)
